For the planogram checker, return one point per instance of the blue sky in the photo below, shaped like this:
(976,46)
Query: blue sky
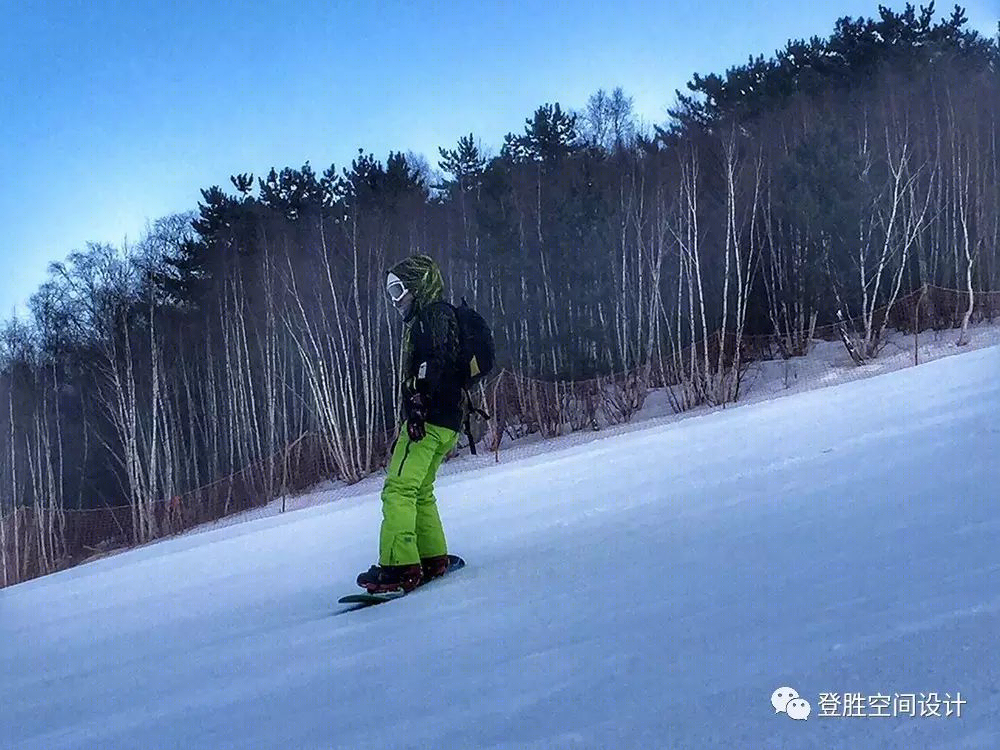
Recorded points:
(117,113)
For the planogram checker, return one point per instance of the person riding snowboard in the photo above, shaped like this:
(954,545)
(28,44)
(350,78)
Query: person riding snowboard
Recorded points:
(412,546)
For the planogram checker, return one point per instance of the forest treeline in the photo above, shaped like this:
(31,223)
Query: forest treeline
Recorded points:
(816,185)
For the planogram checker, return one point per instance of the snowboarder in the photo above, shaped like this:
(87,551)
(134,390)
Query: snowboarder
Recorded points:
(412,546)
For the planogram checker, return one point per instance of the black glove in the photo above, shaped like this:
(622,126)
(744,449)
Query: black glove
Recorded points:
(416,416)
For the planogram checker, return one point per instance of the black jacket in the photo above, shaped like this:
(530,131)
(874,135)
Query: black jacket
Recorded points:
(434,369)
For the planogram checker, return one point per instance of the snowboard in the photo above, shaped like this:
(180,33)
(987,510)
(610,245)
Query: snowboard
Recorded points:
(365,599)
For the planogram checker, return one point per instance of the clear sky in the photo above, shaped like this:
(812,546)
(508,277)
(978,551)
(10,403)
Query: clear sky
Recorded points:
(113,114)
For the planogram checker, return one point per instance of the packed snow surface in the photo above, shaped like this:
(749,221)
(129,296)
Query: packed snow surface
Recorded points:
(648,590)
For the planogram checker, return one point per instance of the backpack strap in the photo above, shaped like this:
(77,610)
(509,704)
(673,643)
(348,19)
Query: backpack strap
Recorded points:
(468,420)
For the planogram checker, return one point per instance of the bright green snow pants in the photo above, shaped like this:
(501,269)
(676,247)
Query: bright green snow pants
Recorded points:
(411,526)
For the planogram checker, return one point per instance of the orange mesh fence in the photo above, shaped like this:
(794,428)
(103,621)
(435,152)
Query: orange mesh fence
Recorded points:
(521,406)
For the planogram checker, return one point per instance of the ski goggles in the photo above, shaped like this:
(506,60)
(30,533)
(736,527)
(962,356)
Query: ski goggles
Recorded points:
(396,289)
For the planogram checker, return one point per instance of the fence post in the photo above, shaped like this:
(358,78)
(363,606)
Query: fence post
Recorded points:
(916,325)
(3,546)
(497,429)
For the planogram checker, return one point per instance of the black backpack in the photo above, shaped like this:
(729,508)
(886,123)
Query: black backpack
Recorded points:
(476,360)
(478,354)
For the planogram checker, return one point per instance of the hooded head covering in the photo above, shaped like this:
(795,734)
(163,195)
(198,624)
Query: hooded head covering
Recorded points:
(422,278)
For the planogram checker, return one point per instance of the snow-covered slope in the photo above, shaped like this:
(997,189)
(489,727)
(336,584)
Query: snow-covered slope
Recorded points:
(647,590)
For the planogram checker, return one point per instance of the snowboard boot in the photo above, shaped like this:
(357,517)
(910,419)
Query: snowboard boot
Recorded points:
(381,578)
(434,567)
